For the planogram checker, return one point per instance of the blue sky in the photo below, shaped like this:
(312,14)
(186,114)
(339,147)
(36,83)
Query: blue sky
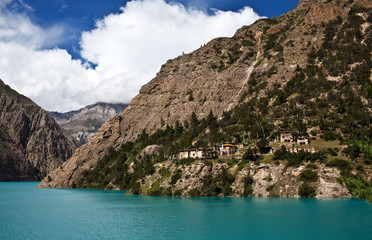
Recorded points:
(126,43)
(80,15)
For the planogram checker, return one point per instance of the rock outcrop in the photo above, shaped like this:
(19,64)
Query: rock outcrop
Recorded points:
(151,150)
(308,3)
(268,180)
(84,123)
(318,14)
(31,142)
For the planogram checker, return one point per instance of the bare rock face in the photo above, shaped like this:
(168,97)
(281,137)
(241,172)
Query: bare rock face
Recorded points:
(319,14)
(331,190)
(31,142)
(277,180)
(268,179)
(84,123)
(324,11)
(321,11)
(151,150)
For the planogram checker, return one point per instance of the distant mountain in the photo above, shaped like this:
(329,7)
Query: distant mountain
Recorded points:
(62,118)
(31,142)
(83,123)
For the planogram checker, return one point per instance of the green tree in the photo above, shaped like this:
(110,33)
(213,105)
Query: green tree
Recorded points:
(249,155)
(263,145)
(178,128)
(194,120)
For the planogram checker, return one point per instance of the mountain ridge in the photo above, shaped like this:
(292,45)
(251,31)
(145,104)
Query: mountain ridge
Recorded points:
(83,123)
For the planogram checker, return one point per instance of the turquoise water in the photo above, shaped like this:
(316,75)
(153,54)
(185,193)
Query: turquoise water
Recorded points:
(27,212)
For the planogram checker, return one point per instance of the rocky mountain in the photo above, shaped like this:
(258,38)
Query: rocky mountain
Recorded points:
(31,142)
(307,71)
(84,123)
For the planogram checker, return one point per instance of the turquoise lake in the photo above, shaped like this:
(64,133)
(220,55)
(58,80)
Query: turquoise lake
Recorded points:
(27,212)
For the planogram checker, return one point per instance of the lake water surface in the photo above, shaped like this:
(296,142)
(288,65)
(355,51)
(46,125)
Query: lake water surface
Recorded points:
(27,212)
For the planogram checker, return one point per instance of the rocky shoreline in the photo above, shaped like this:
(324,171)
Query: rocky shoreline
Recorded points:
(269,180)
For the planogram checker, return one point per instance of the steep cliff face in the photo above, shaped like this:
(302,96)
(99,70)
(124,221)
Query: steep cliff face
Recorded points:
(31,142)
(84,123)
(259,60)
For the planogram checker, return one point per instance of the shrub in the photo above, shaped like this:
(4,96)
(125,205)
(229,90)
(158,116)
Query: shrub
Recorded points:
(159,191)
(263,145)
(342,165)
(360,168)
(281,154)
(194,192)
(314,133)
(359,187)
(167,192)
(309,175)
(332,152)
(249,155)
(329,136)
(178,193)
(312,166)
(306,190)
(136,188)
(248,182)
(225,179)
(191,97)
(352,151)
(176,177)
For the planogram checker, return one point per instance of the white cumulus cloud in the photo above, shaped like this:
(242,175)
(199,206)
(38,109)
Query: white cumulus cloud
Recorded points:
(127,48)
(49,77)
(15,27)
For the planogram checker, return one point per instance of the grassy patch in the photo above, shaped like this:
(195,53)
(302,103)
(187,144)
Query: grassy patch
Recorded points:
(267,158)
(321,144)
(164,172)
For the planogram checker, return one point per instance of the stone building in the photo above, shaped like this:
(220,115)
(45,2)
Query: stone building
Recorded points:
(286,137)
(302,141)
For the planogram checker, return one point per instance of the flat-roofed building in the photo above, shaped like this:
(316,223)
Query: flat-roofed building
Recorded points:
(286,137)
